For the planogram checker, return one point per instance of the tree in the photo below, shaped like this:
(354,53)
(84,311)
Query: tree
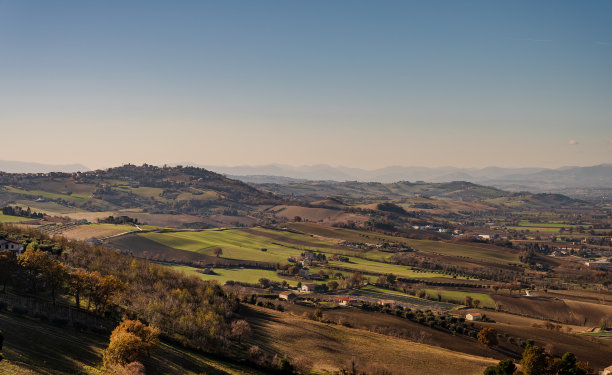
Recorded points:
(318,313)
(92,280)
(504,367)
(217,251)
(55,275)
(487,337)
(77,283)
(8,267)
(240,328)
(332,285)
(105,290)
(535,361)
(130,341)
(468,301)
(32,262)
(265,283)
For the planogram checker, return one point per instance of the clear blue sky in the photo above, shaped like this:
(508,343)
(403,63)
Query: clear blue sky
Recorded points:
(355,83)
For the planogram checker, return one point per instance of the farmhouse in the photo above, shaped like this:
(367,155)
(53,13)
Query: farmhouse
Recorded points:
(10,245)
(599,263)
(473,316)
(287,296)
(387,302)
(348,301)
(308,287)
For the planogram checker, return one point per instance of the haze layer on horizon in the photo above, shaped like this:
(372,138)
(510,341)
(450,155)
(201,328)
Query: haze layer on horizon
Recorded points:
(352,83)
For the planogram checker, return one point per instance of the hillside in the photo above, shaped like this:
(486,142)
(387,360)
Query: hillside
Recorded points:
(135,189)
(461,191)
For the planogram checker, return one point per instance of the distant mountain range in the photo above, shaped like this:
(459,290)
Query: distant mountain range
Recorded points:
(514,179)
(25,167)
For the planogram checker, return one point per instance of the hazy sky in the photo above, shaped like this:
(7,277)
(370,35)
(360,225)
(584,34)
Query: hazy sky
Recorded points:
(355,83)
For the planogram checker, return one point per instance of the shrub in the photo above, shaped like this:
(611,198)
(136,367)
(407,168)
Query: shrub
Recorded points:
(129,342)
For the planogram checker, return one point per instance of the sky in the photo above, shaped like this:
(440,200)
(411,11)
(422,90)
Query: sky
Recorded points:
(353,83)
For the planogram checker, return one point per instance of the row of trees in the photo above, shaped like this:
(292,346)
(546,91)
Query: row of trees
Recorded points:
(37,272)
(536,361)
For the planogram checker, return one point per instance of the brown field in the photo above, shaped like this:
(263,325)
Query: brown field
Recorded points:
(85,232)
(331,347)
(163,220)
(563,311)
(603,297)
(324,215)
(399,327)
(141,247)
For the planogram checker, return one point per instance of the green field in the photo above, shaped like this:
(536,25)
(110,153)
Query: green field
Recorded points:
(358,264)
(245,275)
(535,229)
(495,255)
(459,297)
(8,219)
(551,225)
(74,198)
(246,244)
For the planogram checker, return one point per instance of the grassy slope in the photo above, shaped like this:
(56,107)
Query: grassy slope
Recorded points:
(331,347)
(247,245)
(459,296)
(247,275)
(12,219)
(34,347)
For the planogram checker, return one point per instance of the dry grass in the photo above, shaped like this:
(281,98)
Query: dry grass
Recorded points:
(332,347)
(85,232)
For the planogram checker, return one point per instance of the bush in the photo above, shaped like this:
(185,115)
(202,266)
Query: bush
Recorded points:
(129,342)
(285,366)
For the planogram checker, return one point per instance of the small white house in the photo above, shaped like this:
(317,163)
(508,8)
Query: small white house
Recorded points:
(10,245)
(287,296)
(473,316)
(308,287)
(348,301)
